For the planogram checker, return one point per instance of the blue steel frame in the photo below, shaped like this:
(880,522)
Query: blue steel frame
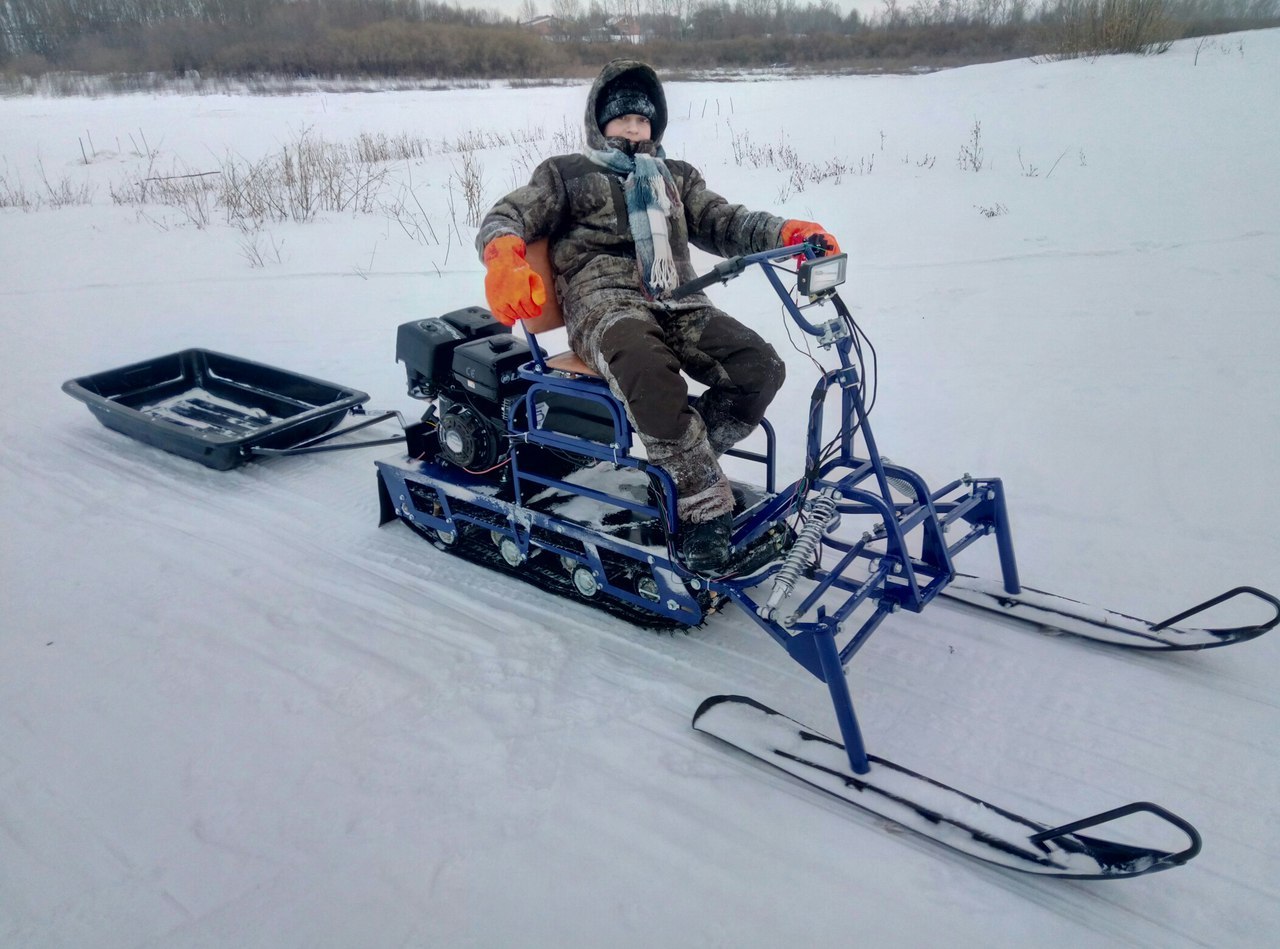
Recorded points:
(524,430)
(908,553)
(908,556)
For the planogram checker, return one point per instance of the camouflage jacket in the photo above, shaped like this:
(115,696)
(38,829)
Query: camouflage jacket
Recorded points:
(579,206)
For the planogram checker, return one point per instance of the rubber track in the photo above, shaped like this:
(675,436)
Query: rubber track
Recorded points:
(543,571)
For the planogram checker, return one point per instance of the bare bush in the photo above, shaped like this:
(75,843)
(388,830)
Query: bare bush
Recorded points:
(1090,28)
(247,192)
(192,193)
(382,148)
(972,155)
(1030,170)
(800,173)
(259,249)
(469,176)
(307,176)
(13,193)
(567,138)
(59,193)
(62,193)
(407,211)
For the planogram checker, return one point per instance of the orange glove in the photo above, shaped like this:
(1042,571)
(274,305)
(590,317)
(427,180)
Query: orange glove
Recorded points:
(797,232)
(514,290)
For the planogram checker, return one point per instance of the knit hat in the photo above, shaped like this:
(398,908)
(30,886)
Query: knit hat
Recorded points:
(623,99)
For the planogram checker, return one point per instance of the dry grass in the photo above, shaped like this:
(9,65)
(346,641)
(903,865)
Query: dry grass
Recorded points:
(51,193)
(309,175)
(800,173)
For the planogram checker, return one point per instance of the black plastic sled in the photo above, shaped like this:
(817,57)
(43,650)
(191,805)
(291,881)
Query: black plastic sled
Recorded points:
(213,408)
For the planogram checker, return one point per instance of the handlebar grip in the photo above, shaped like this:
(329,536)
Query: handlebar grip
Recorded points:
(722,272)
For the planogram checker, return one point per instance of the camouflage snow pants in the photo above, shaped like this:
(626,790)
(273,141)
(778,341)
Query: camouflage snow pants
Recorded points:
(640,351)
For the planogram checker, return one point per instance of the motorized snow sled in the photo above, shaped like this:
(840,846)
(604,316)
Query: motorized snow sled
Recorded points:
(524,462)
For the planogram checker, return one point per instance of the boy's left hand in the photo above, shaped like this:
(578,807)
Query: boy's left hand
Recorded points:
(798,232)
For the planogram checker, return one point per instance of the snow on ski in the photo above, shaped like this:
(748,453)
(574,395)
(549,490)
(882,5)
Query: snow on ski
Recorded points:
(1061,614)
(952,818)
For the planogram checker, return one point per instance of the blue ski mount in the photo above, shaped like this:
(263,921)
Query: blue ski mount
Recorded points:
(524,463)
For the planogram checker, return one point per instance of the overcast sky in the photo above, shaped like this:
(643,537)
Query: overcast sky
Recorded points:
(512,7)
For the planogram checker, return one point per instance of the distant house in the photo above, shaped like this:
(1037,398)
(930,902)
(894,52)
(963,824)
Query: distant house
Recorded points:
(616,29)
(624,29)
(548,27)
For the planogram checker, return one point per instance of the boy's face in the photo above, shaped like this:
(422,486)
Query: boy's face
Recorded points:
(634,128)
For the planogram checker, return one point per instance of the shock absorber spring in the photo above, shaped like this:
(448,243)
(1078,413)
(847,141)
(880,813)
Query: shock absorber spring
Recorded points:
(822,513)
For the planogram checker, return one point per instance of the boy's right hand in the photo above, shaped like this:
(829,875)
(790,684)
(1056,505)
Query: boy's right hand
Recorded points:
(513,288)
(800,232)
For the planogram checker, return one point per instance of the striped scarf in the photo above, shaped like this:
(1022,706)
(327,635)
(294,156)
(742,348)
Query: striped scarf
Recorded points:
(652,200)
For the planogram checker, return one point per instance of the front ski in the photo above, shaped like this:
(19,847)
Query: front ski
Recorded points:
(953,818)
(1059,614)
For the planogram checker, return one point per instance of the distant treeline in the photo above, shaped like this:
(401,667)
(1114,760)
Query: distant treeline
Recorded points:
(422,38)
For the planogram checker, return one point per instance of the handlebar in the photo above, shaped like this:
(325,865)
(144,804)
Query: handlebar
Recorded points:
(722,272)
(733,267)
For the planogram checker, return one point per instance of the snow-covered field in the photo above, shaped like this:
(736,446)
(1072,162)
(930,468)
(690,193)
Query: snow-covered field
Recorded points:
(234,712)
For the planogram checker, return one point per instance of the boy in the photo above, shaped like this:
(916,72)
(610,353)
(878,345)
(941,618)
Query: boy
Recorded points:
(619,218)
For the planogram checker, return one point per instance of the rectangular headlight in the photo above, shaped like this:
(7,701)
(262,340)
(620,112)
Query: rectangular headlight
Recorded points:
(821,274)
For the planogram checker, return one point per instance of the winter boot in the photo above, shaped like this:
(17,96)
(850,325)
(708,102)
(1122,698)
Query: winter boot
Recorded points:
(704,547)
